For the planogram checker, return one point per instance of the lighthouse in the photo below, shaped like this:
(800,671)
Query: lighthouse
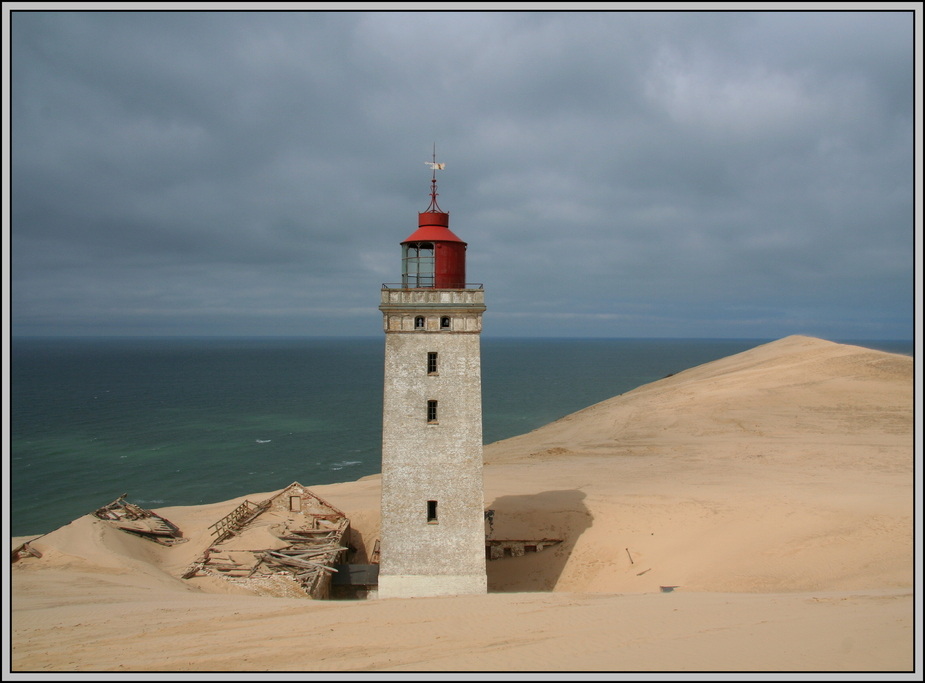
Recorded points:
(432,534)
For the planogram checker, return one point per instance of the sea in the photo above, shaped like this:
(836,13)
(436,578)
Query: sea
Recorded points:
(190,421)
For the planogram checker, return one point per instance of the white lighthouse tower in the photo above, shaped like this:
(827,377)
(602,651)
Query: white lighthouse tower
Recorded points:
(432,536)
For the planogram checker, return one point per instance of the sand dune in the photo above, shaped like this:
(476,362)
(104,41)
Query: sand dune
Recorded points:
(772,489)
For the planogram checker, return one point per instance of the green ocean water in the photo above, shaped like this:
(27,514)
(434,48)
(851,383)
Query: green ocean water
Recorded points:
(184,421)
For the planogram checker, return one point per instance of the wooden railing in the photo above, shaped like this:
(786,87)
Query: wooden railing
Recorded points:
(236,519)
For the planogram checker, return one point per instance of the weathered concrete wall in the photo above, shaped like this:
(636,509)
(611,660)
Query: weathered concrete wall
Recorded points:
(439,461)
(400,307)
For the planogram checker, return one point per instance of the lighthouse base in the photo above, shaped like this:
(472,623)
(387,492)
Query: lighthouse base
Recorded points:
(419,586)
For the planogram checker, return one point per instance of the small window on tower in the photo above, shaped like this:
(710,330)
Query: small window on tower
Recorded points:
(432,412)
(431,512)
(445,322)
(419,322)
(431,362)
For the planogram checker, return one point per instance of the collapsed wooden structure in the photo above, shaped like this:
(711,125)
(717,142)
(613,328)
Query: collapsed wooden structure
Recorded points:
(140,522)
(126,517)
(308,544)
(24,550)
(495,549)
(309,539)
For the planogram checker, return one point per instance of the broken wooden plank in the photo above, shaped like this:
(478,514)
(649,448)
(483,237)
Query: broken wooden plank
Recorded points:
(255,567)
(299,552)
(192,571)
(295,551)
(290,561)
(326,568)
(316,553)
(24,549)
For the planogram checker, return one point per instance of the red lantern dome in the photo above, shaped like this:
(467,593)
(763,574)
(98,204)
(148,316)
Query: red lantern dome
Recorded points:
(432,256)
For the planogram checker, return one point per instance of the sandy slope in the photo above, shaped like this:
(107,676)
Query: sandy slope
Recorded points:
(773,488)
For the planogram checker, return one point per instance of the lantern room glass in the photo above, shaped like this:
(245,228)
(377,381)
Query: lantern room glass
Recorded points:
(418,264)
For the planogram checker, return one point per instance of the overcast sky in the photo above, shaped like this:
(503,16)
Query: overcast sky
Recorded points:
(669,174)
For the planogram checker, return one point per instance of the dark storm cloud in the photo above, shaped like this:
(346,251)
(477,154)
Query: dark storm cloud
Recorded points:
(618,174)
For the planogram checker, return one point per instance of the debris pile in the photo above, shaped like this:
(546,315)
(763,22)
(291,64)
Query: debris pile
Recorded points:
(308,538)
(495,549)
(140,522)
(24,550)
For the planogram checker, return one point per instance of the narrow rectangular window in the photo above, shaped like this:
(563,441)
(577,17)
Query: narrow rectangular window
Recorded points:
(431,362)
(432,411)
(431,512)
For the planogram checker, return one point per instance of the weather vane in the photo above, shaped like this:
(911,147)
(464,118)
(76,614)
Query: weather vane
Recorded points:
(434,166)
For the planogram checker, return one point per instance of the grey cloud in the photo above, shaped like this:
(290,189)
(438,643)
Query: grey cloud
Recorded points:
(727,174)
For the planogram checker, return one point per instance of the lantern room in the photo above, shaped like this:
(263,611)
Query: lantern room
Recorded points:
(433,257)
